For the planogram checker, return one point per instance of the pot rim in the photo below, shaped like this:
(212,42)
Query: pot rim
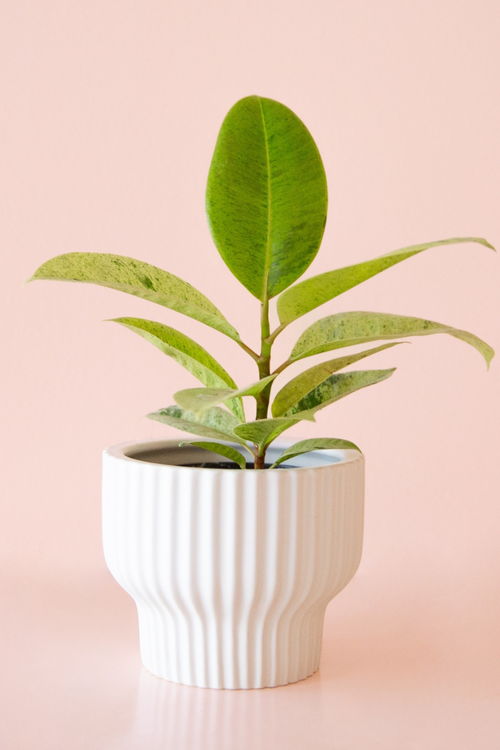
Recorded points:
(121,450)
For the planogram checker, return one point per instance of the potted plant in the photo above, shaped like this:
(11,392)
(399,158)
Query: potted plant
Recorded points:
(233,545)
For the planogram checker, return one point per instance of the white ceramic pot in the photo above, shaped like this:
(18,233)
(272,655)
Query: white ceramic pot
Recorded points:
(231,570)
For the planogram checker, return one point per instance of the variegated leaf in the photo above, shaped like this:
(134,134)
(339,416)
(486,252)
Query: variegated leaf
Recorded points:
(350,328)
(217,423)
(297,388)
(311,293)
(264,431)
(222,450)
(187,353)
(334,388)
(314,444)
(199,400)
(137,278)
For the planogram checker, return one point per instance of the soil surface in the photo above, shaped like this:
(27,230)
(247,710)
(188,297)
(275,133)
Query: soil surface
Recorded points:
(227,465)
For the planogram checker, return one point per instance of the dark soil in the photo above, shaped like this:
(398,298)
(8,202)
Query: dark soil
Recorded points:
(226,465)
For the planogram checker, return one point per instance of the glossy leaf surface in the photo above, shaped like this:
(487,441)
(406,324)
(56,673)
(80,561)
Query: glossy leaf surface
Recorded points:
(200,399)
(223,450)
(350,328)
(334,388)
(266,195)
(313,292)
(217,424)
(300,386)
(314,444)
(187,353)
(137,278)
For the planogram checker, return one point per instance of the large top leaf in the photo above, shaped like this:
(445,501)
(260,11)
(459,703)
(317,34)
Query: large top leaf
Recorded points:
(310,293)
(187,353)
(350,328)
(137,278)
(266,195)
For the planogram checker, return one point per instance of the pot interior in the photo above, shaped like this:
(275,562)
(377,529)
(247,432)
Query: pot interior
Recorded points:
(171,454)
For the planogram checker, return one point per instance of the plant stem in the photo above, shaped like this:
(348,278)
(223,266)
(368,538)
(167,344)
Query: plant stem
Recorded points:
(249,351)
(264,364)
(259,461)
(283,365)
(277,332)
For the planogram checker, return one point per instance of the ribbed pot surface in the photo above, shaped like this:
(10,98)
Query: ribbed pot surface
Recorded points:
(231,570)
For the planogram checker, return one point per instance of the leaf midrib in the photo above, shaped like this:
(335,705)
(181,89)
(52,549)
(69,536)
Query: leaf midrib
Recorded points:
(268,241)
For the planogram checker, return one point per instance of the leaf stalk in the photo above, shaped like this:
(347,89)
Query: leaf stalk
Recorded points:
(249,351)
(272,337)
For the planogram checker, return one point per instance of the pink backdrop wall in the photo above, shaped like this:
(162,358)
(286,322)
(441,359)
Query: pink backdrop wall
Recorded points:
(111,111)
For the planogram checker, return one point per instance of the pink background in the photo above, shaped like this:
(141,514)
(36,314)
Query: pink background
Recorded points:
(110,114)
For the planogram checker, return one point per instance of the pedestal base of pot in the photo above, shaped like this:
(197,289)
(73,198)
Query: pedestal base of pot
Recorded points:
(231,570)
(203,657)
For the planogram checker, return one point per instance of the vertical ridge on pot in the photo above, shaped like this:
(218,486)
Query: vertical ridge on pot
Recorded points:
(231,571)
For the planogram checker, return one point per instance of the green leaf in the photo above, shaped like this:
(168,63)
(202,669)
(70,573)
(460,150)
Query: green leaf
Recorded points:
(264,431)
(266,196)
(222,450)
(311,293)
(187,353)
(200,399)
(348,329)
(137,278)
(333,389)
(297,388)
(314,444)
(216,423)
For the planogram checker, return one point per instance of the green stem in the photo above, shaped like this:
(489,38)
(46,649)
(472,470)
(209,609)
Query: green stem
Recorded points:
(264,364)
(284,365)
(249,351)
(276,332)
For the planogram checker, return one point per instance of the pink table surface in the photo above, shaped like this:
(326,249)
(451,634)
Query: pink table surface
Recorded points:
(410,666)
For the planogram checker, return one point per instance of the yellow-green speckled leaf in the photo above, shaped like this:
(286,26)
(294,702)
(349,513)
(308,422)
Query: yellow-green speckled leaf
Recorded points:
(350,328)
(187,353)
(221,450)
(314,444)
(217,423)
(310,293)
(334,388)
(263,431)
(137,278)
(266,195)
(199,400)
(297,388)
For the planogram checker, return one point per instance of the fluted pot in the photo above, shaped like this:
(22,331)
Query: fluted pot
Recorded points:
(231,570)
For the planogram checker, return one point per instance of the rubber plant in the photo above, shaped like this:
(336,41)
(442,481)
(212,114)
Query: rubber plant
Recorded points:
(266,204)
